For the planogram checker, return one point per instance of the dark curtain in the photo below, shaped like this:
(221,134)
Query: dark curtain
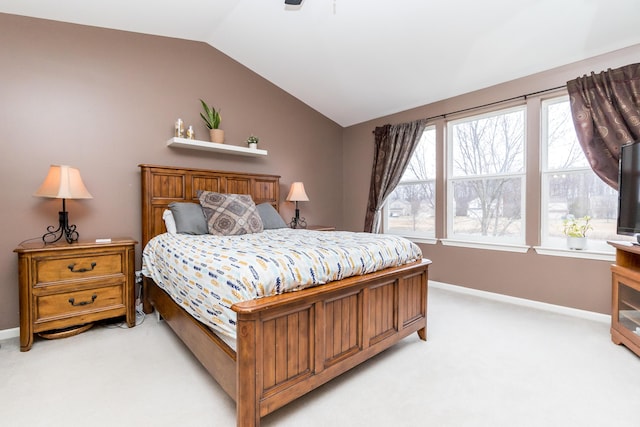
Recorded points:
(395,145)
(606,115)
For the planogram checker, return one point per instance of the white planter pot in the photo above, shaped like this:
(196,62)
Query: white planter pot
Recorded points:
(253,146)
(578,243)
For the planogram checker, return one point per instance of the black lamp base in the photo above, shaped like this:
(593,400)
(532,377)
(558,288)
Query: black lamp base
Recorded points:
(64,229)
(296,221)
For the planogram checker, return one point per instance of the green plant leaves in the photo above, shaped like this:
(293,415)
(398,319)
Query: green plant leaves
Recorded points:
(576,227)
(210,116)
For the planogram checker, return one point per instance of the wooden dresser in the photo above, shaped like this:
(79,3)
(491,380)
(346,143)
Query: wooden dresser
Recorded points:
(63,286)
(625,309)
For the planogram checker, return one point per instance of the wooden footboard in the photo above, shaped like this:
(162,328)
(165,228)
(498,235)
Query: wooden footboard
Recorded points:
(290,344)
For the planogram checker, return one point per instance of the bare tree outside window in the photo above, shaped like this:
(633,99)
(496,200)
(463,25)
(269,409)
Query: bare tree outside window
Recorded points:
(410,209)
(487,176)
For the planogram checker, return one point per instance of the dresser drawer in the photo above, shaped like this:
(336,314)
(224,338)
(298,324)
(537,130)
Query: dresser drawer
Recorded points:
(70,304)
(78,267)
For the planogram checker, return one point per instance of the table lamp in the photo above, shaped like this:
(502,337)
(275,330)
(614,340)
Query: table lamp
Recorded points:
(62,182)
(297,194)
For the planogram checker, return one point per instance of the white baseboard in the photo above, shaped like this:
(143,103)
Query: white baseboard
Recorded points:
(6,334)
(590,315)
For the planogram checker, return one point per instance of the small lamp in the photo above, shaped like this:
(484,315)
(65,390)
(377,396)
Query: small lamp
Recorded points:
(297,194)
(62,182)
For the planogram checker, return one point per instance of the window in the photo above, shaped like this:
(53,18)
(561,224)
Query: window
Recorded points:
(486,177)
(569,185)
(410,209)
(485,183)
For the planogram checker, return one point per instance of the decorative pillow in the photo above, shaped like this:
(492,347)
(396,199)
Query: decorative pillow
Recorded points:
(169,221)
(189,218)
(230,214)
(270,217)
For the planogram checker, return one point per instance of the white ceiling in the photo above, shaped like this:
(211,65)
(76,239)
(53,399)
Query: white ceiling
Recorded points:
(356,60)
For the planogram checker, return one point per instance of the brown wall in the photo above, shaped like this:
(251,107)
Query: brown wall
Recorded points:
(105,101)
(577,283)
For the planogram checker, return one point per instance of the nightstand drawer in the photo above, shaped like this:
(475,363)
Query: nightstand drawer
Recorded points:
(69,304)
(79,267)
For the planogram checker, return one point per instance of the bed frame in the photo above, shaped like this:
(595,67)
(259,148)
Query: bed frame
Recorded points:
(289,344)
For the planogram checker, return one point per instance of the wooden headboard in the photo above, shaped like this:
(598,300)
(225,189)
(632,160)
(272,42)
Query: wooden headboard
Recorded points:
(162,185)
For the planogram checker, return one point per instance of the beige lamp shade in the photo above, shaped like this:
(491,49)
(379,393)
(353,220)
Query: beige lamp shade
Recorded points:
(63,182)
(297,193)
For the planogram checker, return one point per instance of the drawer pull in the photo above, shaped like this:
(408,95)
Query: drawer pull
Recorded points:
(81,270)
(72,301)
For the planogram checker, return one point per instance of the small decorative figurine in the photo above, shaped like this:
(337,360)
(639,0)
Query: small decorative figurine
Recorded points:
(179,131)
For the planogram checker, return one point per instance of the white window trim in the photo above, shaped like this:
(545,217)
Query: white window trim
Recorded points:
(571,253)
(495,246)
(420,239)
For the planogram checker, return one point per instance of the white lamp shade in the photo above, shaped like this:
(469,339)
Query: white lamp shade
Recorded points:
(63,182)
(297,193)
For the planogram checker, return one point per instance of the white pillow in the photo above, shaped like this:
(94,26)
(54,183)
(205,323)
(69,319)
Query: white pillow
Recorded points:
(169,221)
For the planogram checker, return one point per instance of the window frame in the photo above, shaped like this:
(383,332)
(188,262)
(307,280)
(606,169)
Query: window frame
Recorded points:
(517,243)
(533,191)
(549,245)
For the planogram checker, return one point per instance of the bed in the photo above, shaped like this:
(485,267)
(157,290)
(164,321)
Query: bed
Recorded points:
(288,344)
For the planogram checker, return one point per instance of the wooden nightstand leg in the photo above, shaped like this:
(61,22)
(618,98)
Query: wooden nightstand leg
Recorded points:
(131,309)
(26,338)
(26,325)
(130,288)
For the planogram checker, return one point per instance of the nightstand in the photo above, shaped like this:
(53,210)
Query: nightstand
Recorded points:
(65,287)
(321,228)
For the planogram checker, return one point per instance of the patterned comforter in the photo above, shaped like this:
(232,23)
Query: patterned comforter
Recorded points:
(207,274)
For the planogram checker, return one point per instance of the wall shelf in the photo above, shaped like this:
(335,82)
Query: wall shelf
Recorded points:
(195,144)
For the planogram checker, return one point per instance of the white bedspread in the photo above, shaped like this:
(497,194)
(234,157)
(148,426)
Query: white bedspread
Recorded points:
(207,274)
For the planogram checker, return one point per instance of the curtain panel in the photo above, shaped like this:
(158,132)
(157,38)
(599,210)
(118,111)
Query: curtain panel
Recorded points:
(394,146)
(606,115)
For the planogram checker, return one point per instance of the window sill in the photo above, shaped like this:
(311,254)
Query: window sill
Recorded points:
(415,238)
(601,254)
(424,240)
(572,253)
(506,247)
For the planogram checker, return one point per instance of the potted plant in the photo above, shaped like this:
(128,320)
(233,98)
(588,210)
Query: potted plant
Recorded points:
(576,231)
(252,141)
(212,119)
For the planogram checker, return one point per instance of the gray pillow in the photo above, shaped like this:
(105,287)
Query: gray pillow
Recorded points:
(189,218)
(270,217)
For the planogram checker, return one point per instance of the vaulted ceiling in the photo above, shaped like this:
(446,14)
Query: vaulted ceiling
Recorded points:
(356,60)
